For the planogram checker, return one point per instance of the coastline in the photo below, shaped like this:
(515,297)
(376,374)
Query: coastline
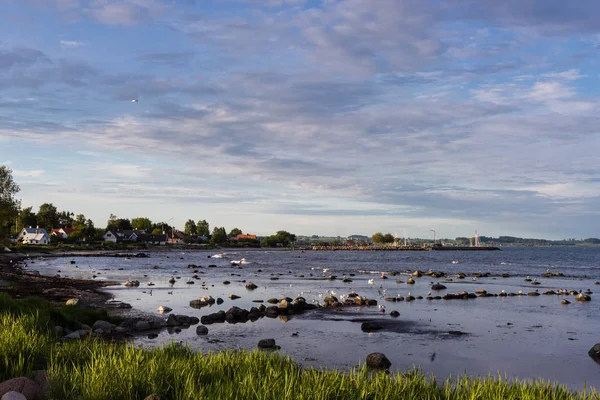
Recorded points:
(19,282)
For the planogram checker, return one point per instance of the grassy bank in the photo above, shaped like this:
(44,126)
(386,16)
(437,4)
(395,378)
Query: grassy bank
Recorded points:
(94,370)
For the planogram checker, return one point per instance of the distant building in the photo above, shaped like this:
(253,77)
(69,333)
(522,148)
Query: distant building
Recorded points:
(35,236)
(243,236)
(177,238)
(62,232)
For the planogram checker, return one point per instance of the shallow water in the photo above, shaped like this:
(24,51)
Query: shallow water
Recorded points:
(525,337)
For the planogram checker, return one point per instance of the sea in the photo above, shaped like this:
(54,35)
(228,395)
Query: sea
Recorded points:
(525,337)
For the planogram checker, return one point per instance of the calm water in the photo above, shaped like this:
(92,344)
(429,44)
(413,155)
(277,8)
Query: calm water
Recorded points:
(523,337)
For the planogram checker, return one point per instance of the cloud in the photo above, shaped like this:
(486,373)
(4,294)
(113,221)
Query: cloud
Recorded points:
(21,57)
(70,43)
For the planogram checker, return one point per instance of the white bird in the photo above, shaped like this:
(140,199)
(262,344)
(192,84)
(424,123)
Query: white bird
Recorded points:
(428,294)
(371,282)
(134,101)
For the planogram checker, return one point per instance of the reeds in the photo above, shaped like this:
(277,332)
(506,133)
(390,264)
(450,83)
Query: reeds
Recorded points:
(92,369)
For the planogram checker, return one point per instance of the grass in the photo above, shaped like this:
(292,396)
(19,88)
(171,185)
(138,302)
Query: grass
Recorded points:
(95,370)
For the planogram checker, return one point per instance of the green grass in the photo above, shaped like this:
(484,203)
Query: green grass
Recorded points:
(95,370)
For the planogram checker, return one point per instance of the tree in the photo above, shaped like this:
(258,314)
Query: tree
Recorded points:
(9,206)
(26,218)
(235,232)
(157,231)
(118,224)
(388,238)
(141,224)
(190,227)
(80,223)
(47,216)
(90,230)
(202,228)
(219,235)
(281,238)
(377,238)
(65,219)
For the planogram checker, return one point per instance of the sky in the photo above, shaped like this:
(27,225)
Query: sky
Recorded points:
(329,117)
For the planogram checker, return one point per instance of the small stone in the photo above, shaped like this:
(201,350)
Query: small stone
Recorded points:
(152,335)
(234,296)
(395,314)
(72,302)
(251,286)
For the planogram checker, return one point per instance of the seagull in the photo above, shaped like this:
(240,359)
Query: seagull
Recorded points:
(371,282)
(134,101)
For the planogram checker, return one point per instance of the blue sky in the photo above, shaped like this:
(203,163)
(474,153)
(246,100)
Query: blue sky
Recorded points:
(330,117)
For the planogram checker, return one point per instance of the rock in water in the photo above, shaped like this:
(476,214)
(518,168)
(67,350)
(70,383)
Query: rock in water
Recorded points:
(595,353)
(201,330)
(251,286)
(370,326)
(378,361)
(164,309)
(267,344)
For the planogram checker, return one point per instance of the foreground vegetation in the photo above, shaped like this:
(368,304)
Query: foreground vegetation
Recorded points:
(93,369)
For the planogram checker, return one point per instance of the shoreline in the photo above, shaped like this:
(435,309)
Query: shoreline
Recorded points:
(19,283)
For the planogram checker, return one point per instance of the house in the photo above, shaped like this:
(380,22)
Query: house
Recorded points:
(143,237)
(62,232)
(35,236)
(120,236)
(243,236)
(177,238)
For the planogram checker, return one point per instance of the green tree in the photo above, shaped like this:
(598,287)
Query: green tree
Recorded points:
(119,224)
(219,235)
(388,238)
(235,232)
(190,227)
(281,238)
(65,219)
(47,216)
(26,218)
(202,228)
(157,231)
(90,230)
(80,223)
(378,238)
(9,206)
(141,224)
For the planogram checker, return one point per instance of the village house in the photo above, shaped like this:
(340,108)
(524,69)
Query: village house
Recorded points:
(34,236)
(134,236)
(62,232)
(177,238)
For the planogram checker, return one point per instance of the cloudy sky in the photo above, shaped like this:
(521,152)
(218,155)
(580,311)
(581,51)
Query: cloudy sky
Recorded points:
(329,117)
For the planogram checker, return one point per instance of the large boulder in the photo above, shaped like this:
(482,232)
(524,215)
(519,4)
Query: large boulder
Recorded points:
(378,361)
(28,388)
